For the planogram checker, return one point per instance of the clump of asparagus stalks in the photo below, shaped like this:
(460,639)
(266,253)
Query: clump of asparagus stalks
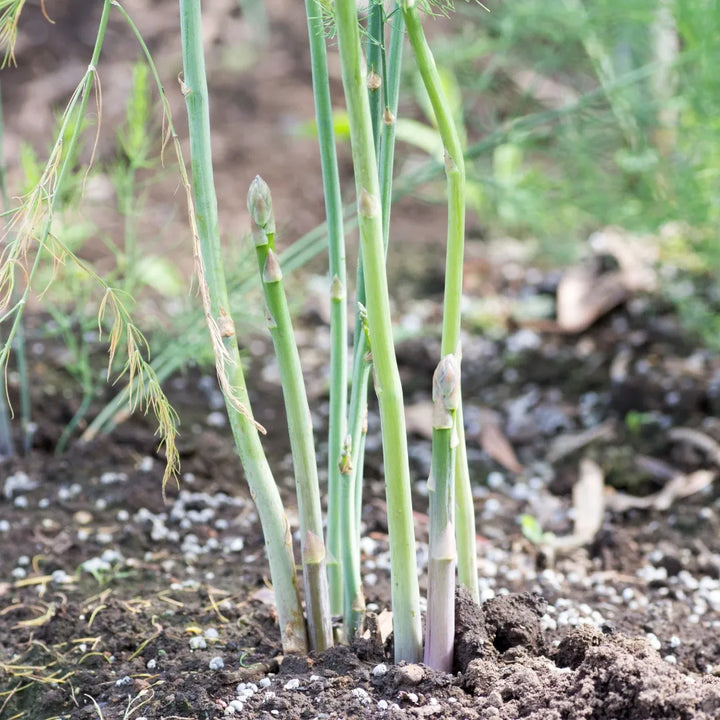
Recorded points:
(331,577)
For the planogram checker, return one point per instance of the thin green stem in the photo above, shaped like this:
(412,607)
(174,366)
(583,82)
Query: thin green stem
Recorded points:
(276,528)
(392,96)
(7,446)
(353,598)
(337,423)
(298,418)
(455,172)
(375,60)
(405,591)
(465,531)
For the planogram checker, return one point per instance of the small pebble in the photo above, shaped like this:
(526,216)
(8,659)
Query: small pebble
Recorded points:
(216,419)
(495,480)
(361,695)
(60,577)
(216,663)
(409,674)
(293,684)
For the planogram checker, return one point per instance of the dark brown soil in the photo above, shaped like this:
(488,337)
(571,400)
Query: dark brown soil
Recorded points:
(163,610)
(117,605)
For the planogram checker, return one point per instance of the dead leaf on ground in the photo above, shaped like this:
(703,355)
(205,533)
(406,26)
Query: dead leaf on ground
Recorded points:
(682,485)
(385,625)
(699,440)
(265,595)
(498,447)
(568,443)
(588,507)
(583,296)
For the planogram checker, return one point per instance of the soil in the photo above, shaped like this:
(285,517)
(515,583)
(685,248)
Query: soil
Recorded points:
(118,604)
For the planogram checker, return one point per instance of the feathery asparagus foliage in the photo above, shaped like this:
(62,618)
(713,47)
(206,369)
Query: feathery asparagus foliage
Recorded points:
(30,246)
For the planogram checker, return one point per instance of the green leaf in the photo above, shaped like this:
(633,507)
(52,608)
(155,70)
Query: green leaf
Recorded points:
(160,274)
(420,136)
(341,126)
(532,530)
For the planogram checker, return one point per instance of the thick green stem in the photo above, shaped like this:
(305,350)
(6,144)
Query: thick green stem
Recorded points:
(361,365)
(455,172)
(337,423)
(276,528)
(440,621)
(298,419)
(405,591)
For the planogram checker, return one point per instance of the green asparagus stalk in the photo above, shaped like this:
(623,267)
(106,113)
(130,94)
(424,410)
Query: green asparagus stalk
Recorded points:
(405,592)
(337,421)
(455,173)
(213,290)
(298,416)
(440,621)
(384,135)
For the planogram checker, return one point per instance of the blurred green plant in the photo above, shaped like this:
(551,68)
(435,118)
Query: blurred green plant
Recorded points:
(532,530)
(635,136)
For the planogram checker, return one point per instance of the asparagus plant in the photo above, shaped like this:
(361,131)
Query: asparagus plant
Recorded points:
(370,95)
(404,581)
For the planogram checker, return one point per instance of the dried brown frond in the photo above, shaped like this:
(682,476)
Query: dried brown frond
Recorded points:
(8,29)
(97,87)
(222,356)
